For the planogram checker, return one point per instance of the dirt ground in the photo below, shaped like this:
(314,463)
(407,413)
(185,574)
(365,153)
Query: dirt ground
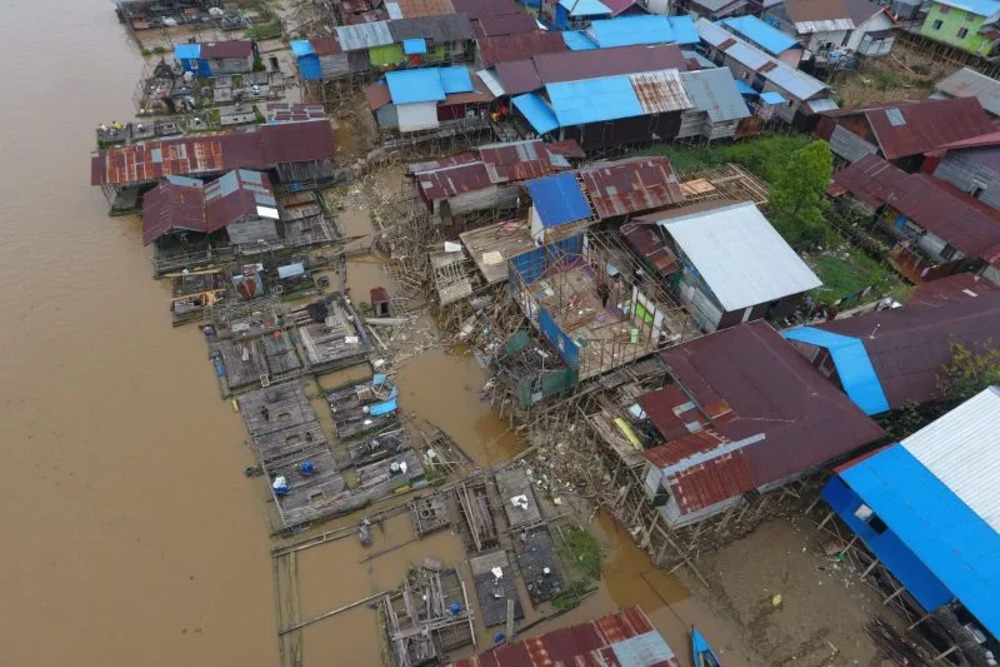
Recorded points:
(903,74)
(818,620)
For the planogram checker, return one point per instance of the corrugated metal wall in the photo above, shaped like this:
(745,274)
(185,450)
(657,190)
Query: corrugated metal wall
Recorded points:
(965,172)
(558,339)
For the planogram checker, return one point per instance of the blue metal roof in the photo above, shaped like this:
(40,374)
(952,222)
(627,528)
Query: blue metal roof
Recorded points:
(854,368)
(684,29)
(649,648)
(585,8)
(187,51)
(765,36)
(978,7)
(415,85)
(414,46)
(537,111)
(631,31)
(594,100)
(300,48)
(953,542)
(772,98)
(558,199)
(577,40)
(745,89)
(455,80)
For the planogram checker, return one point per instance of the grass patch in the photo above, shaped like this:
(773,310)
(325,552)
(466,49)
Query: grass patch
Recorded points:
(584,551)
(572,596)
(765,156)
(270,30)
(845,271)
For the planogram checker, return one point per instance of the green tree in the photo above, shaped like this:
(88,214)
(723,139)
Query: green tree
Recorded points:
(969,372)
(798,196)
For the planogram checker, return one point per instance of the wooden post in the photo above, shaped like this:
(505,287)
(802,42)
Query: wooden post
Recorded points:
(333,612)
(510,618)
(870,568)
(893,596)
(850,544)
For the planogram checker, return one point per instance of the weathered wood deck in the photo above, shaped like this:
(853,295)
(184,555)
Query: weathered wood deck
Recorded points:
(493,593)
(535,551)
(512,483)
(287,405)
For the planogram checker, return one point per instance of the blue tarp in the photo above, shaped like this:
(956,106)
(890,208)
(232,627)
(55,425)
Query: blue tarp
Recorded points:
(415,85)
(594,100)
(954,551)
(187,51)
(765,36)
(631,31)
(577,40)
(378,379)
(558,199)
(291,270)
(559,339)
(854,368)
(455,80)
(585,8)
(414,46)
(684,29)
(745,89)
(772,97)
(379,409)
(301,47)
(537,112)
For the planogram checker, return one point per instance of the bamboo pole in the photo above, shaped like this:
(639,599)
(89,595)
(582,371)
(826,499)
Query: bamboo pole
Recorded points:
(333,612)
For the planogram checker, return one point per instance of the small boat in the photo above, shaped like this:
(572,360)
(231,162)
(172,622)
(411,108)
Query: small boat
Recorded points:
(365,532)
(704,656)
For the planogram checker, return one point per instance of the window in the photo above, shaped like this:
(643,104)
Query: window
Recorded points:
(936,25)
(962,32)
(969,17)
(948,252)
(867,514)
(878,525)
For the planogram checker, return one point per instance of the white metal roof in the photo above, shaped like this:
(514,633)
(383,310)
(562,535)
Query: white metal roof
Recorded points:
(740,256)
(962,449)
(492,83)
(364,35)
(829,25)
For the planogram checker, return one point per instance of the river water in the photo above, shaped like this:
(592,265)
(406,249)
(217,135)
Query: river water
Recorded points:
(131,536)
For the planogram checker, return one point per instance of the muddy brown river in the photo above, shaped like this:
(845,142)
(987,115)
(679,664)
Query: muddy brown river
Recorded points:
(131,536)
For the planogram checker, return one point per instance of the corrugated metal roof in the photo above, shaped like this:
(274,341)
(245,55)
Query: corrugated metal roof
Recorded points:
(712,33)
(962,449)
(959,547)
(618,6)
(417,8)
(233,48)
(585,8)
(519,76)
(173,206)
(575,65)
(493,50)
(772,391)
(558,200)
(415,85)
(684,31)
(393,10)
(672,412)
(510,24)
(603,641)
(818,106)
(762,34)
(631,186)
(363,36)
(414,46)
(909,345)
(740,256)
(818,12)
(455,79)
(795,82)
(714,91)
(593,100)
(477,9)
(854,368)
(449,182)
(577,40)
(970,83)
(631,30)
(492,82)
(716,7)
(861,11)
(772,97)
(977,7)
(537,112)
(935,205)
(660,92)
(439,29)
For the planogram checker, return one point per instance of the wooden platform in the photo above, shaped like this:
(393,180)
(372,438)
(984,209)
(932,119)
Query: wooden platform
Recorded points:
(535,551)
(429,514)
(377,480)
(379,447)
(492,246)
(276,446)
(280,355)
(493,593)
(513,482)
(287,405)
(479,530)
(309,496)
(337,341)
(244,363)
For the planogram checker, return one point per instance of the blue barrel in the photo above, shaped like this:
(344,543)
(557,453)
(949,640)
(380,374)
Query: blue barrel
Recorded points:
(455,609)
(499,638)
(307,467)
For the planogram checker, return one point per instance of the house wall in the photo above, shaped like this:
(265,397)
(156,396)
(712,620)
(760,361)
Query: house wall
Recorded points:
(973,171)
(696,295)
(418,116)
(872,47)
(671,513)
(386,116)
(390,54)
(625,131)
(820,42)
(903,228)
(952,20)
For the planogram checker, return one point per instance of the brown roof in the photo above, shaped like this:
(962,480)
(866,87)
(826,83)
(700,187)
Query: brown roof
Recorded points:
(575,65)
(631,186)
(910,128)
(671,412)
(415,8)
(237,48)
(519,76)
(508,24)
(755,386)
(326,46)
(816,10)
(265,146)
(476,9)
(377,95)
(908,346)
(647,242)
(937,206)
(431,165)
(862,10)
(568,148)
(173,206)
(590,643)
(449,182)
(493,50)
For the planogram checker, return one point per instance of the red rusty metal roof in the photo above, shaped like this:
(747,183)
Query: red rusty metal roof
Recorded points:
(631,186)
(326,46)
(939,207)
(519,76)
(476,9)
(908,346)
(431,165)
(618,6)
(173,206)
(261,147)
(505,48)
(377,95)
(646,241)
(449,182)
(788,417)
(981,141)
(597,643)
(576,65)
(508,24)
(670,410)
(236,48)
(415,8)
(568,148)
(910,128)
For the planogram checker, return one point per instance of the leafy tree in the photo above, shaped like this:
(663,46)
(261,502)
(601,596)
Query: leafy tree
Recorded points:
(969,373)
(798,196)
